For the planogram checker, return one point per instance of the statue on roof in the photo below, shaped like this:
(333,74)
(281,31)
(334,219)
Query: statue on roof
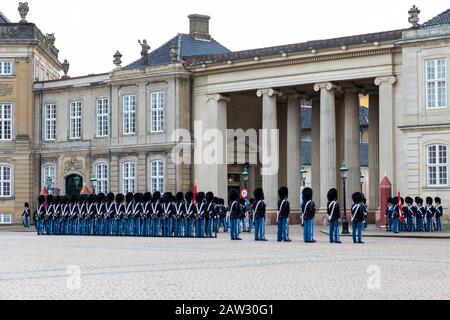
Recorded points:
(145,48)
(23,11)
(414,16)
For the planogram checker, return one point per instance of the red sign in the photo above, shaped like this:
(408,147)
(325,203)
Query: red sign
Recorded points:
(244,194)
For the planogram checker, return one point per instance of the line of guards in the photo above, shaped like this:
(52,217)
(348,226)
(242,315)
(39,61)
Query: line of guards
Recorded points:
(141,215)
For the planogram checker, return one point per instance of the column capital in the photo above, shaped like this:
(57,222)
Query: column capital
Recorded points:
(268,91)
(218,97)
(325,85)
(389,80)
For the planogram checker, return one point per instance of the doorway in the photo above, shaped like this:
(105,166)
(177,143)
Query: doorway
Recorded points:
(74,184)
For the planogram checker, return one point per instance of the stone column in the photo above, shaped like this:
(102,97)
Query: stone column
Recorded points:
(293,152)
(270,150)
(327,140)
(217,108)
(374,154)
(315,142)
(386,122)
(352,142)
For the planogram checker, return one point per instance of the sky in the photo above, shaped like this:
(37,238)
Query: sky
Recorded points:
(88,32)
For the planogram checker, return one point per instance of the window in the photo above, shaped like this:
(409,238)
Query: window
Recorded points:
(157,176)
(128,177)
(49,176)
(129,115)
(6,114)
(102,118)
(101,173)
(157,112)
(50,122)
(5,218)
(5,68)
(75,120)
(437,166)
(436,82)
(5,181)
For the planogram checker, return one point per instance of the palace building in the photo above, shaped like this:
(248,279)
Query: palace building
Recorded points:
(377,101)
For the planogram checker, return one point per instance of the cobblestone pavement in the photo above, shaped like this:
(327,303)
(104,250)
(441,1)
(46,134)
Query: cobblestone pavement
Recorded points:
(135,268)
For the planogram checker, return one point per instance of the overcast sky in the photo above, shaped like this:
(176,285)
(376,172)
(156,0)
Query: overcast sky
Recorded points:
(88,32)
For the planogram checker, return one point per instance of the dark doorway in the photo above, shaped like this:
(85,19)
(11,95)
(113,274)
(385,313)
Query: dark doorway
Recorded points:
(74,184)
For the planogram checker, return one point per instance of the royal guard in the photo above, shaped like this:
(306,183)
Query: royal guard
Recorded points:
(259,212)
(49,215)
(73,215)
(388,215)
(210,206)
(366,213)
(40,215)
(430,213)
(334,214)
(82,214)
(138,212)
(156,215)
(119,213)
(395,215)
(223,216)
(200,215)
(147,210)
(242,227)
(127,217)
(420,215)
(65,210)
(235,212)
(26,214)
(100,209)
(410,213)
(439,214)
(357,217)
(56,227)
(168,213)
(308,209)
(179,214)
(91,210)
(109,222)
(216,215)
(284,209)
(189,209)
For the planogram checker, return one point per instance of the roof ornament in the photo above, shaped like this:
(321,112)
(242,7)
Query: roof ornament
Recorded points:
(50,38)
(117,60)
(23,11)
(144,51)
(414,16)
(174,52)
(65,68)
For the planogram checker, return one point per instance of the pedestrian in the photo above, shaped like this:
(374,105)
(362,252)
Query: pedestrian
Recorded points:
(357,217)
(308,209)
(334,214)
(284,209)
(259,212)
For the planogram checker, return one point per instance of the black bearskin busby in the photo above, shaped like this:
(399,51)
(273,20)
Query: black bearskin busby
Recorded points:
(180,197)
(110,197)
(429,201)
(307,194)
(234,195)
(283,193)
(409,200)
(437,200)
(92,198)
(57,200)
(259,194)
(419,201)
(357,198)
(50,199)
(189,196)
(332,195)
(167,197)
(137,197)
(129,197)
(394,201)
(83,198)
(209,197)
(157,196)
(120,198)
(147,197)
(41,199)
(200,197)
(101,197)
(65,200)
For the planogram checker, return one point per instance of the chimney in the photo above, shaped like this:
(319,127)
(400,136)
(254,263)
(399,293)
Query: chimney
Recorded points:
(199,26)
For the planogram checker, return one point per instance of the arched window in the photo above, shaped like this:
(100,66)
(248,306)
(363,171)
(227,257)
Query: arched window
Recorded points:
(437,165)
(128,177)
(101,173)
(157,176)
(6,181)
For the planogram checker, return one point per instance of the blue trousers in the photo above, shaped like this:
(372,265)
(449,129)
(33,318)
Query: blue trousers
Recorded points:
(188,228)
(38,227)
(395,225)
(334,230)
(282,229)
(234,228)
(27,221)
(308,232)
(429,226)
(200,228)
(419,224)
(410,224)
(439,224)
(178,228)
(250,223)
(208,228)
(223,223)
(357,231)
(156,227)
(259,229)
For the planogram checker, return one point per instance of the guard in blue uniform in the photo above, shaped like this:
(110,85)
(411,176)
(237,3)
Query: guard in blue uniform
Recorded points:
(179,214)
(65,212)
(146,216)
(100,211)
(357,217)
(82,214)
(259,215)
(49,215)
(168,214)
(395,216)
(200,215)
(366,213)
(91,211)
(119,213)
(26,214)
(40,215)
(73,216)
(216,215)
(250,214)
(109,222)
(439,213)
(127,220)
(420,216)
(430,213)
(157,212)
(410,213)
(334,214)
(388,215)
(308,209)
(189,210)
(234,210)
(138,213)
(209,216)
(284,210)
(222,216)
(242,226)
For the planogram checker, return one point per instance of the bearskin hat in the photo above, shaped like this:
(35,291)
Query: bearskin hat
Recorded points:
(92,198)
(200,197)
(57,200)
(209,197)
(50,199)
(74,199)
(222,201)
(307,194)
(234,195)
(283,193)
(389,200)
(147,197)
(120,198)
(394,201)
(409,200)
(84,198)
(215,200)
(419,200)
(110,197)
(259,194)
(179,197)
(137,197)
(41,199)
(357,197)
(429,200)
(189,196)
(101,197)
(129,197)
(332,195)
(157,196)
(167,197)
(437,200)
(364,199)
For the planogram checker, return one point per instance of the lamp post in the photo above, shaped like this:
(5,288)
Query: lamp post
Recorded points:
(362,178)
(344,174)
(245,176)
(303,173)
(93,183)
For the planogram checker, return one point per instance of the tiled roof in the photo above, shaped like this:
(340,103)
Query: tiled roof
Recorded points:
(188,46)
(298,47)
(306,118)
(3,18)
(307,153)
(439,20)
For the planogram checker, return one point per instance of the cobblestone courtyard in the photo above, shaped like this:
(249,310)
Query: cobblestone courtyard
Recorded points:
(134,268)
